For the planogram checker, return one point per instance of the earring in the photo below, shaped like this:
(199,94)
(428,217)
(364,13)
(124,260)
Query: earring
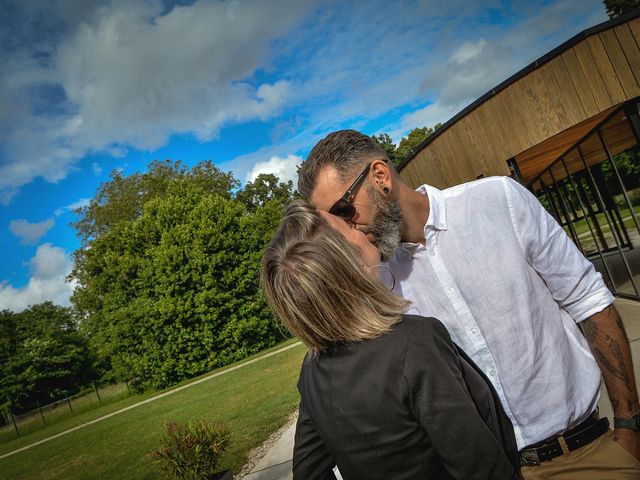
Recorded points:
(384,280)
(385,189)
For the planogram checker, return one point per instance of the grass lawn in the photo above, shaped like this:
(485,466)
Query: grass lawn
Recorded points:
(253,401)
(582,229)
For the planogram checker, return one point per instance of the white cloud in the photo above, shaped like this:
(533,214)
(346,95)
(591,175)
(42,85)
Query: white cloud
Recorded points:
(283,168)
(48,267)
(459,8)
(467,51)
(97,169)
(471,70)
(30,233)
(428,116)
(345,74)
(83,202)
(472,67)
(475,65)
(131,75)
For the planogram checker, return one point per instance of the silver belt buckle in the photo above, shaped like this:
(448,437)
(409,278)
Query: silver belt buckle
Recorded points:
(529,457)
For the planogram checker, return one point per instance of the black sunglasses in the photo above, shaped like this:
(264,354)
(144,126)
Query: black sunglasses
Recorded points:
(343,208)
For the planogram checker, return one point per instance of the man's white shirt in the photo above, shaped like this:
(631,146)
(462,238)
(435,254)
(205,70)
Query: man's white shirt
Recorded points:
(510,286)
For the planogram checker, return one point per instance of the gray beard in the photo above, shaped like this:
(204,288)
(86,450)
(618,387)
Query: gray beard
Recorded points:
(386,225)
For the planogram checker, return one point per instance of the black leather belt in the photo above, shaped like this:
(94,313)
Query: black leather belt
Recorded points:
(577,437)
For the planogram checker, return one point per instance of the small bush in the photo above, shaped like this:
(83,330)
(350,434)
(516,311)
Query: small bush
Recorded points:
(192,451)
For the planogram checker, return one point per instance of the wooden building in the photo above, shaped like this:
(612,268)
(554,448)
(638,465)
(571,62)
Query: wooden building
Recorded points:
(552,126)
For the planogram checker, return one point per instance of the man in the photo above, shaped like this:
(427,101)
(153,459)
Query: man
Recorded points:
(489,262)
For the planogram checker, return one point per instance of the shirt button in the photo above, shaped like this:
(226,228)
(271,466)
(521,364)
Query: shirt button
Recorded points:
(451,290)
(492,373)
(474,330)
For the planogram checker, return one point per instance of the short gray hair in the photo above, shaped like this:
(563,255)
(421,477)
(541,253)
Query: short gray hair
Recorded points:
(345,150)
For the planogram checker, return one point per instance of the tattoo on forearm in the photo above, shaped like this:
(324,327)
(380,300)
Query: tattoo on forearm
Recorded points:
(614,362)
(618,369)
(590,330)
(614,348)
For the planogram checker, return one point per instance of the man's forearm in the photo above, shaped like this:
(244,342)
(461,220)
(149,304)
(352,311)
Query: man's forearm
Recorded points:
(608,340)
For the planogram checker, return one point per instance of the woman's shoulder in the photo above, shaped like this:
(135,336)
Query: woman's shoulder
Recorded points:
(412,332)
(403,333)
(425,336)
(427,325)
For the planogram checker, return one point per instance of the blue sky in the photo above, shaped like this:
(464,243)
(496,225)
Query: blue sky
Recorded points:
(88,87)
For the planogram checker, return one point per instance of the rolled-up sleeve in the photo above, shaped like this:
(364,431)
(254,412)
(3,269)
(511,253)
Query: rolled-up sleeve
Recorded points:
(572,280)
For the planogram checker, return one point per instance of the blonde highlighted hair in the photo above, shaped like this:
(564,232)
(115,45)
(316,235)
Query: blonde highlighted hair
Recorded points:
(317,285)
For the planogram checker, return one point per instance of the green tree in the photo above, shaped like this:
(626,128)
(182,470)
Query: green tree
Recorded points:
(174,291)
(384,140)
(44,358)
(265,188)
(117,203)
(122,198)
(628,166)
(10,337)
(410,143)
(615,8)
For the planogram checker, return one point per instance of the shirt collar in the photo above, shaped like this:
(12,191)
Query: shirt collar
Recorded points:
(437,212)
(437,215)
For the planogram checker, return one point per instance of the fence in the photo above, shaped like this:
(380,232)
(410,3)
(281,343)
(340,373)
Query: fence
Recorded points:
(45,415)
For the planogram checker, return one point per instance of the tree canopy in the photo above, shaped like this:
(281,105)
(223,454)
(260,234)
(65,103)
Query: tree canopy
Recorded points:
(168,271)
(121,199)
(265,188)
(407,145)
(385,141)
(43,357)
(615,8)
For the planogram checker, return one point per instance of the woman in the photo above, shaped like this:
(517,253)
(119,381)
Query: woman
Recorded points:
(383,394)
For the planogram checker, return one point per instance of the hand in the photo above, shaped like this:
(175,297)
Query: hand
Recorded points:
(629,440)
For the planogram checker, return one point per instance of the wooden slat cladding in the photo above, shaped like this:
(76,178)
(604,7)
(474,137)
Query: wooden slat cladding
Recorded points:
(429,171)
(634,26)
(473,130)
(620,65)
(580,82)
(447,150)
(569,98)
(608,73)
(562,115)
(498,123)
(537,115)
(630,49)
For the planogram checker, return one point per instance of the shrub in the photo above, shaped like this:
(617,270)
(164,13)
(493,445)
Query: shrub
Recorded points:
(192,451)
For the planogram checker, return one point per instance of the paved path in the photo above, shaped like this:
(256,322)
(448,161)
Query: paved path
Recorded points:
(149,400)
(276,464)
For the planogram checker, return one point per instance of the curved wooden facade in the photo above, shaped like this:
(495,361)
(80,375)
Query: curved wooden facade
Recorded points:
(539,113)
